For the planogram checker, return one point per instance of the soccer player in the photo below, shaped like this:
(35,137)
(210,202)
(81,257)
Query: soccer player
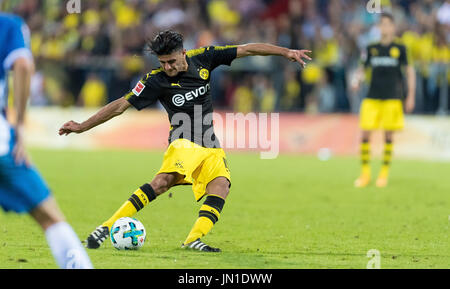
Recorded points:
(21,187)
(194,155)
(383,106)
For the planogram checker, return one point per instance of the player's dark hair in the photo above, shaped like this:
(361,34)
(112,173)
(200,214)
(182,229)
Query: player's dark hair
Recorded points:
(387,15)
(166,42)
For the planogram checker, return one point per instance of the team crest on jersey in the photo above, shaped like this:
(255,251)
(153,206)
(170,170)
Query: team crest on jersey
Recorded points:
(204,73)
(394,52)
(180,99)
(138,88)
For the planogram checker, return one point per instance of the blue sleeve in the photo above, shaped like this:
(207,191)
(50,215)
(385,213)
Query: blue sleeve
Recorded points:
(17,42)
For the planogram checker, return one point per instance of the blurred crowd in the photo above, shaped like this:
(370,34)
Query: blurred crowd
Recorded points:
(96,56)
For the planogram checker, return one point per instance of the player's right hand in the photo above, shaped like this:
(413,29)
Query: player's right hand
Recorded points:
(69,127)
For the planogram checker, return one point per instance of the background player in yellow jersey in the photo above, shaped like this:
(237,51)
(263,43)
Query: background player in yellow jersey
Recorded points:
(194,155)
(383,106)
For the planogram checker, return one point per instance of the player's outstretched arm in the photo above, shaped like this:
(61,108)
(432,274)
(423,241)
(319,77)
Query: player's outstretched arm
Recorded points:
(265,49)
(107,112)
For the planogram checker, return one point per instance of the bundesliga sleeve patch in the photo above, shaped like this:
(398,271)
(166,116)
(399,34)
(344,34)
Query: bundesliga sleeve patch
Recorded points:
(138,88)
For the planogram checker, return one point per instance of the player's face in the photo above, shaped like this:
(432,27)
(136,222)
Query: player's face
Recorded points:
(173,63)
(387,27)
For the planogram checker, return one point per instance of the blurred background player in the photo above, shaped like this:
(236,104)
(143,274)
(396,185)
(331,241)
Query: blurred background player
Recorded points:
(383,106)
(181,85)
(21,187)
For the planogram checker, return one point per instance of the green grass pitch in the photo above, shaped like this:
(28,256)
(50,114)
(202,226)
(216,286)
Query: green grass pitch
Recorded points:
(290,212)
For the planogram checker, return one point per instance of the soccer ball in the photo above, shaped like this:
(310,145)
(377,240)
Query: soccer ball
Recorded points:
(127,234)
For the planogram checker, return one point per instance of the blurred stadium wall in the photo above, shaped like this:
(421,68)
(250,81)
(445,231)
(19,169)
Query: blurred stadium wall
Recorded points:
(87,59)
(424,137)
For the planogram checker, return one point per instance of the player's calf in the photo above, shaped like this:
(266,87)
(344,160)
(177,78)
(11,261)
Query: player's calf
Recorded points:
(62,240)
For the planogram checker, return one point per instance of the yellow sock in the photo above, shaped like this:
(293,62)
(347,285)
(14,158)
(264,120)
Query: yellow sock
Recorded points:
(138,200)
(365,158)
(208,215)
(384,172)
(126,210)
(387,158)
(365,170)
(201,227)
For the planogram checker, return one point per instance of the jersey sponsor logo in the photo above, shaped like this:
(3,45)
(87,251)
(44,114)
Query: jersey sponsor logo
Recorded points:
(383,61)
(180,99)
(138,88)
(204,73)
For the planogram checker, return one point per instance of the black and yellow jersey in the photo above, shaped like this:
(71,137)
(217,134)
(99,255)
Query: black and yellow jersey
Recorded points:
(186,96)
(386,64)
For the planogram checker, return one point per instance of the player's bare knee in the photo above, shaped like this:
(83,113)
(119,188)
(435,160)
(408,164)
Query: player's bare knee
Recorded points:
(365,137)
(388,136)
(159,185)
(162,183)
(219,186)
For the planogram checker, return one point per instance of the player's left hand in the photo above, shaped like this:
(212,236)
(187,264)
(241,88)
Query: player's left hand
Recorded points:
(298,56)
